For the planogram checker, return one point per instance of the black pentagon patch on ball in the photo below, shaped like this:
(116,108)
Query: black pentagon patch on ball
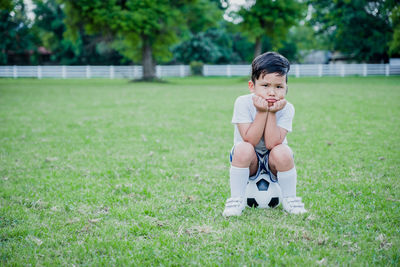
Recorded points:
(274,202)
(262,185)
(251,202)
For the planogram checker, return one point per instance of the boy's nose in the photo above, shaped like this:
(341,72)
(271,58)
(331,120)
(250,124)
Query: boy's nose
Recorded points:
(271,91)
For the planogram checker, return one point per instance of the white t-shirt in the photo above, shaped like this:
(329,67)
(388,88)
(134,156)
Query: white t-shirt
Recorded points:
(245,112)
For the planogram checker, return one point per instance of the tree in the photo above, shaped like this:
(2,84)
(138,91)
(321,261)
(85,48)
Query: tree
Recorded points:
(360,29)
(213,46)
(243,47)
(269,18)
(394,46)
(144,29)
(300,41)
(202,15)
(200,47)
(16,37)
(50,27)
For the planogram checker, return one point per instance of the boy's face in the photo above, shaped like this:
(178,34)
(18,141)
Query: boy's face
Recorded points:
(270,86)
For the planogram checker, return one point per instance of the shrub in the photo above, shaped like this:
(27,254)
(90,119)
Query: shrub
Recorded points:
(197,68)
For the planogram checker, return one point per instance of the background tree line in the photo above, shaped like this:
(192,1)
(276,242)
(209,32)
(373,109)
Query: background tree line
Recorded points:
(150,32)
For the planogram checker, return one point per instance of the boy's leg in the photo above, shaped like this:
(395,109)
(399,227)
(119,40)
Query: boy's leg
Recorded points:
(281,163)
(244,164)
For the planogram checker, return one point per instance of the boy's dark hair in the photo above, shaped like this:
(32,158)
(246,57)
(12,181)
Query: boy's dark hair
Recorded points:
(269,62)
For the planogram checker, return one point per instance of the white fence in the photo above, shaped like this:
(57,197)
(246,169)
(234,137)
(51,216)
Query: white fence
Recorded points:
(135,72)
(302,70)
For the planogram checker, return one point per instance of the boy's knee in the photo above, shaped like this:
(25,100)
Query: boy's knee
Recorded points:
(281,155)
(243,152)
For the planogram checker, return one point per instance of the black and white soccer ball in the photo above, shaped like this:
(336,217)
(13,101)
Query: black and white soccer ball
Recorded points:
(263,193)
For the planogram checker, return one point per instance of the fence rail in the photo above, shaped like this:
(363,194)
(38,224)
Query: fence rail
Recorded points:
(135,72)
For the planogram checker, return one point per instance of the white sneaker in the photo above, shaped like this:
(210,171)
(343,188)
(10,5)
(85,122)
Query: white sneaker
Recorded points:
(233,207)
(293,205)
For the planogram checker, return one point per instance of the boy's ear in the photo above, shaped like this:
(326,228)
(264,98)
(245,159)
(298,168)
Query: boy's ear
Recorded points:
(251,86)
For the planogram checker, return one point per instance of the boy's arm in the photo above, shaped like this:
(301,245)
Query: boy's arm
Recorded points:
(252,132)
(273,134)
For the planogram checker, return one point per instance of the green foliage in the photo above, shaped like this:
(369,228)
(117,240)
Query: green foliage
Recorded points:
(110,173)
(214,46)
(361,29)
(83,49)
(300,40)
(394,46)
(202,14)
(50,27)
(290,51)
(270,18)
(6,5)
(120,31)
(196,68)
(243,47)
(16,37)
(221,4)
(133,21)
(144,30)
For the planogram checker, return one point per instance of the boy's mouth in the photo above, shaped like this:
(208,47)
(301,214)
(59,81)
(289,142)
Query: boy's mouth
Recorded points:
(271,100)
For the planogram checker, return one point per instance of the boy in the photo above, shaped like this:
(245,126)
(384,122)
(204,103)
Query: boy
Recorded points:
(262,120)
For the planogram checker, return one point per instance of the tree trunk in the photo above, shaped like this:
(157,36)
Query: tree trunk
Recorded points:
(258,47)
(149,70)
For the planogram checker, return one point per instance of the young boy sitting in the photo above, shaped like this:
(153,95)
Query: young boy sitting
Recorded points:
(262,120)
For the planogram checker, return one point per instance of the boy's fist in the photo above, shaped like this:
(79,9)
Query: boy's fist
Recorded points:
(260,103)
(277,105)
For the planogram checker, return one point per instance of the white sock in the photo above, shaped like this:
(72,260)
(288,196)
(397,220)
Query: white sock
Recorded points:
(238,181)
(287,181)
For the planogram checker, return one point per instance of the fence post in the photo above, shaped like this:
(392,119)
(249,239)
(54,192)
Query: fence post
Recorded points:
(39,72)
(182,70)
(342,70)
(297,71)
(88,74)
(228,70)
(136,72)
(320,70)
(364,70)
(64,72)
(158,71)
(205,70)
(387,70)
(111,72)
(15,72)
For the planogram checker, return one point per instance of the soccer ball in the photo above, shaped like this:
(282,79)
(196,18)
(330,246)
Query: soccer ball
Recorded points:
(263,193)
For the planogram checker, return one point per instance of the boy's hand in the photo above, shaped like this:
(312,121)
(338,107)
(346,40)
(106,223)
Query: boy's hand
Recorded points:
(260,103)
(278,105)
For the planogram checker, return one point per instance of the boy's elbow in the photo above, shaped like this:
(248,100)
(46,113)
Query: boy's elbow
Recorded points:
(271,145)
(252,142)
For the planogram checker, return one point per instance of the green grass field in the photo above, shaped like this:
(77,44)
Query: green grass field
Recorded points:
(107,172)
